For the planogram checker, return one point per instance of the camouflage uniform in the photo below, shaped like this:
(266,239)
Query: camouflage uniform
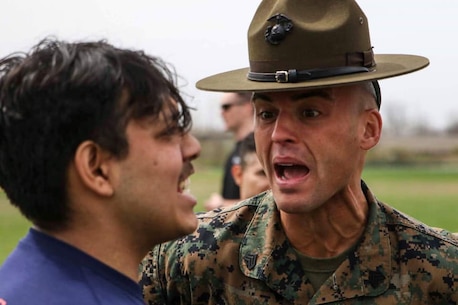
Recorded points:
(241,256)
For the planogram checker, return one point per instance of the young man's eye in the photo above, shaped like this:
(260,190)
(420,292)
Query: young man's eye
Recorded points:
(175,130)
(171,130)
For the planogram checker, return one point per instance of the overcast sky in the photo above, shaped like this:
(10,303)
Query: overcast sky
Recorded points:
(204,37)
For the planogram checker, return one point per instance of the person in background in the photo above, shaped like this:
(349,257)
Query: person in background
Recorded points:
(320,236)
(237,113)
(249,174)
(95,150)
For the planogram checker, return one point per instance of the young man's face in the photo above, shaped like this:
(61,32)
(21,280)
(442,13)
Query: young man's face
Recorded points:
(150,189)
(251,178)
(311,144)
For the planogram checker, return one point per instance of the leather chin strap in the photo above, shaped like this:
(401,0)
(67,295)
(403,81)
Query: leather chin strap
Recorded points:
(378,94)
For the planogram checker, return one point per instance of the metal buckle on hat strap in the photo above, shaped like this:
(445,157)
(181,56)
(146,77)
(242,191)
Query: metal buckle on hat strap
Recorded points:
(293,75)
(281,76)
(286,76)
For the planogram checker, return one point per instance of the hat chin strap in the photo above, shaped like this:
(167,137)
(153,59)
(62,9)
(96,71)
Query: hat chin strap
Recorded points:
(294,76)
(378,94)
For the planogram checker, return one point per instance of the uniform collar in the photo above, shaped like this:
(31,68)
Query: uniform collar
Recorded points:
(266,255)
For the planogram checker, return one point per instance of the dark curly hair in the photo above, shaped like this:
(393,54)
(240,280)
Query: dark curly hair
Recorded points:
(61,94)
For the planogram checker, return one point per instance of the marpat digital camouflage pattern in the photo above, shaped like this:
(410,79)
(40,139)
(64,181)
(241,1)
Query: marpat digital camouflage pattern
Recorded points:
(241,256)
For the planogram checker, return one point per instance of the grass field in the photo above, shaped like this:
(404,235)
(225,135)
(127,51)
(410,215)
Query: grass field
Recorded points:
(428,194)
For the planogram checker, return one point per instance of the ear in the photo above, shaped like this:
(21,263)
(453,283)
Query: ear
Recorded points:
(236,171)
(372,129)
(93,168)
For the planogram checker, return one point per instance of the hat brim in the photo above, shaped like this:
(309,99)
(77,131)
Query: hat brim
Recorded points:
(388,65)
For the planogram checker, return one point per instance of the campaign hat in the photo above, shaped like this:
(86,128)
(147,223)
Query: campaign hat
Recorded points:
(298,44)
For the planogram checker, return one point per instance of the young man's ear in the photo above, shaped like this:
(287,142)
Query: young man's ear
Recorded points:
(93,168)
(236,171)
(372,129)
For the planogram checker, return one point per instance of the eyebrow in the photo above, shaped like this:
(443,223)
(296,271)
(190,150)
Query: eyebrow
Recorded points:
(325,94)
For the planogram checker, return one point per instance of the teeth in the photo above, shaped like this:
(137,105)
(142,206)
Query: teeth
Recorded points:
(185,186)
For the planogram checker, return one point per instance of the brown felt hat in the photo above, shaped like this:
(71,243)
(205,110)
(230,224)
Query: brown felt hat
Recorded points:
(296,44)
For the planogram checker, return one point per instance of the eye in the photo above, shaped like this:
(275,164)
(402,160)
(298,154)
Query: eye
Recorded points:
(310,113)
(266,115)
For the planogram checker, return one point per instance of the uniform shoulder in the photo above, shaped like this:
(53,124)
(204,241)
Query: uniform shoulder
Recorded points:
(215,226)
(244,206)
(410,227)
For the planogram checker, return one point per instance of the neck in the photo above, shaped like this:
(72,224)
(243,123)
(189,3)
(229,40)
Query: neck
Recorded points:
(112,247)
(330,230)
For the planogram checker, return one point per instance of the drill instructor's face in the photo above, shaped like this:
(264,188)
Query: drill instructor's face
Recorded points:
(312,143)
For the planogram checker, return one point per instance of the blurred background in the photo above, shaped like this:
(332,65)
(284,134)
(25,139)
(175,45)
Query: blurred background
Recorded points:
(203,37)
(414,168)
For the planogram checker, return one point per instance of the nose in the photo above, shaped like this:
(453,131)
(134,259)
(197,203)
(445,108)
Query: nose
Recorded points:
(191,147)
(284,129)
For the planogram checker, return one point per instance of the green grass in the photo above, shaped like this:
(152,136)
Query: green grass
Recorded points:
(12,227)
(205,181)
(428,194)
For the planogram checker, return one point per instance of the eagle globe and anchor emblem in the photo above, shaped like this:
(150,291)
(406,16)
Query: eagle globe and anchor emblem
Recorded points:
(276,33)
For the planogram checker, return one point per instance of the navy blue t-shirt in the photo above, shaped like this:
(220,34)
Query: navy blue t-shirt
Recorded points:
(43,270)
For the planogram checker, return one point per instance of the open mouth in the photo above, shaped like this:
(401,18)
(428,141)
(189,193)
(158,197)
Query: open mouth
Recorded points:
(184,181)
(289,171)
(184,185)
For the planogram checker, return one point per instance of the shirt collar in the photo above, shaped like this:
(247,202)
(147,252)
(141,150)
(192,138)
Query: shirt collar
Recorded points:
(267,255)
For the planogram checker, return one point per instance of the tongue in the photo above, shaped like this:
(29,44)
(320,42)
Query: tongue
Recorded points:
(295,171)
